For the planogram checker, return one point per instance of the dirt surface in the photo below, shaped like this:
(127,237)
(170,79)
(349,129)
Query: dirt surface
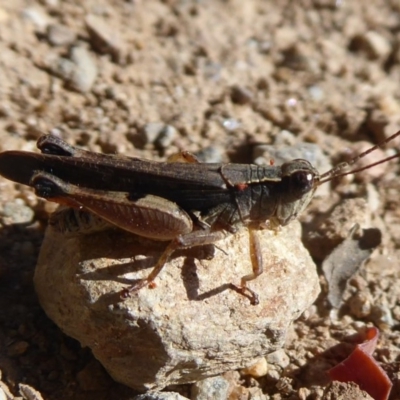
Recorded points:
(149,78)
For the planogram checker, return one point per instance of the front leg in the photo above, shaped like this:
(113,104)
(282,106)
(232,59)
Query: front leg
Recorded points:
(257,265)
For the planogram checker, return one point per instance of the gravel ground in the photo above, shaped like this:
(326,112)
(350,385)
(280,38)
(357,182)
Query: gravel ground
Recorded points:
(216,78)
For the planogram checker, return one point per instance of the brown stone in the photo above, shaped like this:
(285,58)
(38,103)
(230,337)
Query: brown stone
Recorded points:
(190,326)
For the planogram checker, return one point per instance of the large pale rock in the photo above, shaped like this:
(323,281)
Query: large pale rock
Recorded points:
(191,325)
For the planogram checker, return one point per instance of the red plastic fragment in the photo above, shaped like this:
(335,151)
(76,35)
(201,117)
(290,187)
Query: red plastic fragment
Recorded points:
(360,367)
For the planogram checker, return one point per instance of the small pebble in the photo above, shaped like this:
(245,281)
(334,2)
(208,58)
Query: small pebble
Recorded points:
(360,305)
(158,133)
(303,393)
(85,71)
(60,35)
(258,369)
(291,102)
(211,154)
(389,105)
(382,317)
(52,3)
(278,358)
(376,45)
(60,66)
(104,38)
(284,385)
(37,17)
(396,313)
(4,15)
(273,374)
(216,388)
(316,93)
(29,393)
(151,131)
(17,348)
(241,95)
(255,393)
(282,153)
(231,124)
(166,136)
(285,38)
(17,212)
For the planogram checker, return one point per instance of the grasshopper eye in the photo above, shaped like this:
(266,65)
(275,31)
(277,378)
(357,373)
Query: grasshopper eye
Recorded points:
(298,183)
(298,178)
(301,181)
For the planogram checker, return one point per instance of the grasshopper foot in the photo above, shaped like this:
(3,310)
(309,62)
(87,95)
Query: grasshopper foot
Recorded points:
(246,292)
(125,293)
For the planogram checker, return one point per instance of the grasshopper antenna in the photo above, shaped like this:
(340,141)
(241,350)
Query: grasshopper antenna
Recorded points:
(335,171)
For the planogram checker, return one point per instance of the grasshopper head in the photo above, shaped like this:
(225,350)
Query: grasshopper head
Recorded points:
(299,181)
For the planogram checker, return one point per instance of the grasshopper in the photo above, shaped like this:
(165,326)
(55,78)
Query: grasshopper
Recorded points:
(183,201)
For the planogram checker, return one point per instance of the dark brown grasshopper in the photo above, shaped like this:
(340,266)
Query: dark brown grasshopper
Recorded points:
(185,202)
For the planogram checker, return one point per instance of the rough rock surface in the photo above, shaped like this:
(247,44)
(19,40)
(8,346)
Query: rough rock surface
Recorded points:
(191,325)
